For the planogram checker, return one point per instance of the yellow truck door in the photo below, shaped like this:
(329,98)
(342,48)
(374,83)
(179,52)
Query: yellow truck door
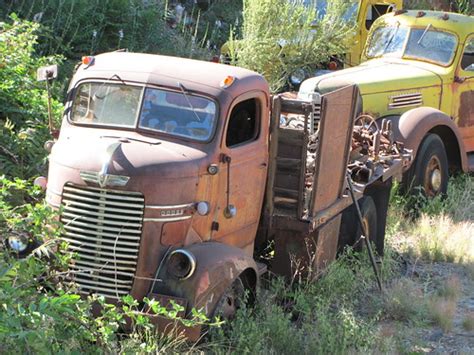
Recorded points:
(463,95)
(369,11)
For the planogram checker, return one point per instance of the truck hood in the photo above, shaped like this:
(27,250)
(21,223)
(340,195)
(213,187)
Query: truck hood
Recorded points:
(375,76)
(131,157)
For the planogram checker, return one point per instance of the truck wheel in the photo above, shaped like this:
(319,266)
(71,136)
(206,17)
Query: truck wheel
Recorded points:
(430,170)
(351,231)
(230,301)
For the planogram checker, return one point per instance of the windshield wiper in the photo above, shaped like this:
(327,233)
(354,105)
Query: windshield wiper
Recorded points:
(105,82)
(391,37)
(423,34)
(183,90)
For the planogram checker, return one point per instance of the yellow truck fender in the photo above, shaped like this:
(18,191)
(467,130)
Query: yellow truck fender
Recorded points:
(412,126)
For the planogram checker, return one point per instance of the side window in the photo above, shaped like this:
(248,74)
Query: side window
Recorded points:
(374,12)
(243,123)
(467,61)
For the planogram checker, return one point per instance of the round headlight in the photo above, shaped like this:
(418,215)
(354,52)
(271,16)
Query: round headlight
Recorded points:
(181,264)
(202,208)
(18,243)
(298,76)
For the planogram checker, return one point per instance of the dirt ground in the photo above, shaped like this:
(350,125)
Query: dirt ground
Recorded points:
(431,338)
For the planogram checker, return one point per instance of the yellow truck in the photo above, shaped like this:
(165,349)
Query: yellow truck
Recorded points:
(418,73)
(363,12)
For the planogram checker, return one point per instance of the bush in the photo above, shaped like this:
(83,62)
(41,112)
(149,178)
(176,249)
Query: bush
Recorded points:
(23,101)
(279,37)
(78,27)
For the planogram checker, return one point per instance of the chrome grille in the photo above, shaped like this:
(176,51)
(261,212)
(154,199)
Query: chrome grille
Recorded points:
(316,117)
(405,100)
(103,228)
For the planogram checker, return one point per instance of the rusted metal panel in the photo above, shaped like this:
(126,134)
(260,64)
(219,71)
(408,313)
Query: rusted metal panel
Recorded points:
(326,246)
(304,253)
(338,114)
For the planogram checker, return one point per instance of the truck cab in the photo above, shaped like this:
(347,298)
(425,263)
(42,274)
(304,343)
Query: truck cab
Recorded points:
(172,176)
(418,71)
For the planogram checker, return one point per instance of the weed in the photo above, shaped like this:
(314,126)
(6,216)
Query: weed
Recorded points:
(404,301)
(442,312)
(468,322)
(450,289)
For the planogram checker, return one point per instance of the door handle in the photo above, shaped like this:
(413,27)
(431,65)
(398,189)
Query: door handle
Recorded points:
(263,165)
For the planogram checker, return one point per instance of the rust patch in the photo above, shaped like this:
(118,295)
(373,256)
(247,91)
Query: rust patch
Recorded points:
(174,233)
(466,109)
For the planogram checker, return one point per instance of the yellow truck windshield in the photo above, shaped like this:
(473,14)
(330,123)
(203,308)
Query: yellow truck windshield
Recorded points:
(426,44)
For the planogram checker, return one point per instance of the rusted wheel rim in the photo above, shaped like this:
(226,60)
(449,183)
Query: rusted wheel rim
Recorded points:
(366,225)
(229,303)
(433,177)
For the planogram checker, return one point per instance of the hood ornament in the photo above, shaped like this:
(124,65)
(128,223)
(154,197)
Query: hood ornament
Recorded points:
(102,178)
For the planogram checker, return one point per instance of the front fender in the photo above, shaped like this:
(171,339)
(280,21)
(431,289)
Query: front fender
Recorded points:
(217,266)
(411,127)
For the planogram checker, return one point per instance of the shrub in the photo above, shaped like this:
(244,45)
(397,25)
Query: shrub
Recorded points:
(23,101)
(277,38)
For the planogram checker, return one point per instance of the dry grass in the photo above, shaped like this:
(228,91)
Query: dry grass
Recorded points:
(404,300)
(450,289)
(442,312)
(468,322)
(444,230)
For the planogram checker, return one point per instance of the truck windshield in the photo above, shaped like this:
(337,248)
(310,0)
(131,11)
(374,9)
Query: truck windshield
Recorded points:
(106,104)
(421,43)
(178,114)
(173,113)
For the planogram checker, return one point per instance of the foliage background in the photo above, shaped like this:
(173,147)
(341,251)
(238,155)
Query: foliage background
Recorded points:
(39,317)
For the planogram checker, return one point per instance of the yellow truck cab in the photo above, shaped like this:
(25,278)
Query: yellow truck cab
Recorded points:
(368,11)
(418,72)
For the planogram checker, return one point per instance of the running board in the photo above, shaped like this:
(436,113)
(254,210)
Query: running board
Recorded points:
(470,162)
(261,268)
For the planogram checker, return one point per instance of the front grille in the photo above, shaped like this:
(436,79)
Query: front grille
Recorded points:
(103,228)
(405,100)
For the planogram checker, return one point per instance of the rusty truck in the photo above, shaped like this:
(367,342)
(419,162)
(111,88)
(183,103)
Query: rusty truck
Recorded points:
(173,177)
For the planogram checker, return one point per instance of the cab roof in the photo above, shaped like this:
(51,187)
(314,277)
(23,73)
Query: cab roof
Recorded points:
(463,25)
(170,71)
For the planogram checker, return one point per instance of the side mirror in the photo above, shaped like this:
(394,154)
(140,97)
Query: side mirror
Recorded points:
(47,73)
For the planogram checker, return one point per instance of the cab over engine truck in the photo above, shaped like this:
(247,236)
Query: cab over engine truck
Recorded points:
(174,174)
(418,72)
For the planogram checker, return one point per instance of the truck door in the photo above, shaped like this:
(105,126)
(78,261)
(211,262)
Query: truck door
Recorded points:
(463,95)
(369,11)
(242,177)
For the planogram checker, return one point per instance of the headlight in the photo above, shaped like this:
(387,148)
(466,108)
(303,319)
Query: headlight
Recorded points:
(181,264)
(298,76)
(18,243)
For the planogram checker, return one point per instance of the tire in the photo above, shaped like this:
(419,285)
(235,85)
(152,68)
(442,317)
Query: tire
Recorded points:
(351,230)
(429,172)
(230,301)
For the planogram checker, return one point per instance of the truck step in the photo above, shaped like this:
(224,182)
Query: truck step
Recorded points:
(470,161)
(281,192)
(288,164)
(261,268)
